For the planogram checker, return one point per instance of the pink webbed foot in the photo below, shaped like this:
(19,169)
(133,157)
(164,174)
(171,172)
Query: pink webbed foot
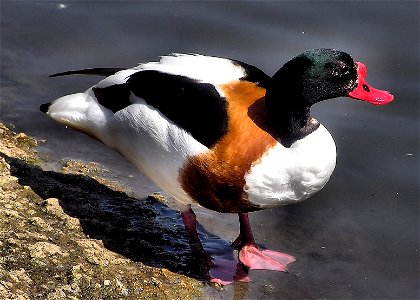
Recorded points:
(220,270)
(256,259)
(225,271)
(215,269)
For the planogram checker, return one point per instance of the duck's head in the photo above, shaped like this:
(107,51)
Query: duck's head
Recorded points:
(321,74)
(308,78)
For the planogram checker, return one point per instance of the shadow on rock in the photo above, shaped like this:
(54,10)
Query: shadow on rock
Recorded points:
(143,230)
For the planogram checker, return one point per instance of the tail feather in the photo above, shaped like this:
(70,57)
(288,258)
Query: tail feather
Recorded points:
(93,71)
(44,107)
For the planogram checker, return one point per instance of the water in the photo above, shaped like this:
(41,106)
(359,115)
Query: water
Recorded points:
(357,238)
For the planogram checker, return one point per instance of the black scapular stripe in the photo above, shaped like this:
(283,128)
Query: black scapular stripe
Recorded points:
(195,106)
(114,97)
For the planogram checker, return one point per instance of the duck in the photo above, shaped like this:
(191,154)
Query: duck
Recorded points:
(221,134)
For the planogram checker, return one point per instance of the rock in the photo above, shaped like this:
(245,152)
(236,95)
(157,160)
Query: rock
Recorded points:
(37,221)
(44,249)
(45,253)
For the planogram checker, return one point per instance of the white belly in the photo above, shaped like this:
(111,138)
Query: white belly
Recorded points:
(288,175)
(155,145)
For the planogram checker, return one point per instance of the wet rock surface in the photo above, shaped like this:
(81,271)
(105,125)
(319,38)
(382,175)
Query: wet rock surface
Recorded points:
(74,235)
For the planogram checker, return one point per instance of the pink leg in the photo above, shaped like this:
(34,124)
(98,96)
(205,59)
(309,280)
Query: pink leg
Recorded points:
(216,269)
(190,222)
(254,258)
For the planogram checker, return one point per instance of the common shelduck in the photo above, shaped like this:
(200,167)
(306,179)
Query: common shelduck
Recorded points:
(221,133)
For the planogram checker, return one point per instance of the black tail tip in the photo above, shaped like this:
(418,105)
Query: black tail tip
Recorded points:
(44,107)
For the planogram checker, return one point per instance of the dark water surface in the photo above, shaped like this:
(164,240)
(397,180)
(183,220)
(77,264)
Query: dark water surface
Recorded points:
(359,237)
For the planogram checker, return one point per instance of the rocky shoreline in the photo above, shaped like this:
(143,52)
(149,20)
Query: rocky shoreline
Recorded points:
(74,235)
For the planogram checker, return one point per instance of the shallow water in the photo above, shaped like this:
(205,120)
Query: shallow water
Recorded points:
(357,238)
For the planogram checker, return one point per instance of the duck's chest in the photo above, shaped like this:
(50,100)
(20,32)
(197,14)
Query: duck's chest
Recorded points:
(287,175)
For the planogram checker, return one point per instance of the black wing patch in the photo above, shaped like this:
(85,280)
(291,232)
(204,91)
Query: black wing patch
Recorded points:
(114,97)
(196,107)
